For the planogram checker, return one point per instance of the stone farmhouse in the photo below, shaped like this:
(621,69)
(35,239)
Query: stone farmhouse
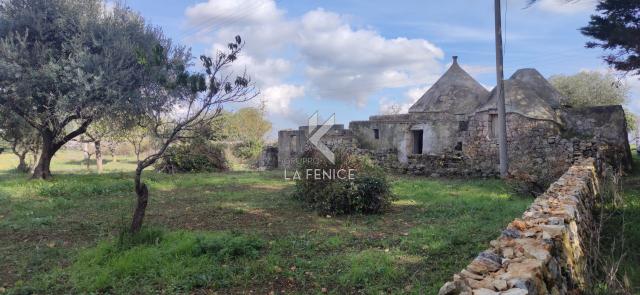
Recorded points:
(452,131)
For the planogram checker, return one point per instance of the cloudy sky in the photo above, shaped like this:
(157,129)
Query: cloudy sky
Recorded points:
(357,58)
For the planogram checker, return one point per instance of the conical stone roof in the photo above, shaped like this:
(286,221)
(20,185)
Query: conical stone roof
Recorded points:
(522,99)
(540,85)
(455,92)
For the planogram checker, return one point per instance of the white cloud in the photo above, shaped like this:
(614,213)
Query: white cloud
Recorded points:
(348,64)
(278,98)
(233,12)
(566,6)
(336,60)
(263,27)
(259,21)
(415,93)
(264,71)
(412,95)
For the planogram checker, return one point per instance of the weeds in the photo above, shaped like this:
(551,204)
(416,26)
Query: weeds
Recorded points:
(151,259)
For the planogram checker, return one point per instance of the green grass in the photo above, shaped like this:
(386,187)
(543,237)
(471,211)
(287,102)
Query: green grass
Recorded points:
(175,262)
(235,232)
(71,161)
(621,237)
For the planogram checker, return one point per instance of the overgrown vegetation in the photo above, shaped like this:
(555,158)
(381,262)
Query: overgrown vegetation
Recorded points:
(196,156)
(592,88)
(50,230)
(175,261)
(353,184)
(617,261)
(245,129)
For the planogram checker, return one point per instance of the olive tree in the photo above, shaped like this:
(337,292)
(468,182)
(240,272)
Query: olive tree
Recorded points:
(97,134)
(64,64)
(22,138)
(591,88)
(184,104)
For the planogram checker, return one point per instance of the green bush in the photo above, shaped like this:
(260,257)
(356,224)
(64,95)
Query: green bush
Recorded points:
(247,150)
(193,157)
(367,192)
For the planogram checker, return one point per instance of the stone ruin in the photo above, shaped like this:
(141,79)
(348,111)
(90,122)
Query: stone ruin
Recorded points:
(452,131)
(268,158)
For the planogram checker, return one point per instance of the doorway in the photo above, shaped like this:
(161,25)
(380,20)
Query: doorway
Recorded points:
(417,141)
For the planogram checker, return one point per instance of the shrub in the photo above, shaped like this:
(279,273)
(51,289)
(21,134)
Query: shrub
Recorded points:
(247,150)
(367,192)
(193,157)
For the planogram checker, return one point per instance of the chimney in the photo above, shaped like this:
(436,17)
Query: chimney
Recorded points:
(455,59)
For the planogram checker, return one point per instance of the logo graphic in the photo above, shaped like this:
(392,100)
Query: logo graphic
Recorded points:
(316,135)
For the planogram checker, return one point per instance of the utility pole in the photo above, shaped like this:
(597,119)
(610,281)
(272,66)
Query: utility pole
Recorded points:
(502,120)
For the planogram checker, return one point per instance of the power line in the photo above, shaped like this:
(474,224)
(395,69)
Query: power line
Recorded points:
(225,20)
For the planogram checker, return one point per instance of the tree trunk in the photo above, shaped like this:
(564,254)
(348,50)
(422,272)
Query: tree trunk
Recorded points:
(22,166)
(114,157)
(142,200)
(87,156)
(98,156)
(111,146)
(42,169)
(33,163)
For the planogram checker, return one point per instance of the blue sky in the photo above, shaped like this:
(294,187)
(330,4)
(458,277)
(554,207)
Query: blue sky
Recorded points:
(358,58)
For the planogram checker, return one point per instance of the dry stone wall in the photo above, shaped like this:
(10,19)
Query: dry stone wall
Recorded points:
(466,146)
(545,251)
(539,150)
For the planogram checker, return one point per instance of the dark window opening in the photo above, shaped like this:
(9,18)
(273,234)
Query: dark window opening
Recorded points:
(493,126)
(458,146)
(376,133)
(417,141)
(463,125)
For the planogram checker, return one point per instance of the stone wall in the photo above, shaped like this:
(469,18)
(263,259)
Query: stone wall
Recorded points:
(292,143)
(268,158)
(460,145)
(604,125)
(535,147)
(546,251)
(539,150)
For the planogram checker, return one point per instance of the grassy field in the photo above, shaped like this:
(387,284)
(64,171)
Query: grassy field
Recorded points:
(233,233)
(622,230)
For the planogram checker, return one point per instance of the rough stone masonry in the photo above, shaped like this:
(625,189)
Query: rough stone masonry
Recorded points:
(451,131)
(545,251)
